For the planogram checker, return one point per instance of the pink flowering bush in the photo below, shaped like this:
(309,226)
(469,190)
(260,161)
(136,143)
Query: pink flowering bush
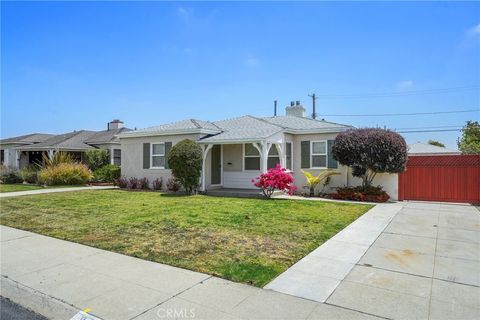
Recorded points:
(275,179)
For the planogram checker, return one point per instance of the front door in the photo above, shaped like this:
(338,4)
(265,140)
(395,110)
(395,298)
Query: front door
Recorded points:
(216,162)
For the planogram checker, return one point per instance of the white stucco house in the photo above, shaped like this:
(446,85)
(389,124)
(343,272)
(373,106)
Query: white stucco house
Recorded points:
(237,150)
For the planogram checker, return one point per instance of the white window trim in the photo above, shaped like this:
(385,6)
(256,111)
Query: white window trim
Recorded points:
(274,156)
(249,156)
(318,154)
(152,155)
(291,154)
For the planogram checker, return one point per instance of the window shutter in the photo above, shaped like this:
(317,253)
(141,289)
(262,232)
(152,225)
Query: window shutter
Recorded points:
(168,146)
(305,154)
(331,163)
(146,155)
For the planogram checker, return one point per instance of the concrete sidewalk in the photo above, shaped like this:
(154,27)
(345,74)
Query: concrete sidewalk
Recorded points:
(52,190)
(57,278)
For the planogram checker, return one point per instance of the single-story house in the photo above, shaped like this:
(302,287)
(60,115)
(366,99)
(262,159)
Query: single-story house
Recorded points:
(18,152)
(426,149)
(237,150)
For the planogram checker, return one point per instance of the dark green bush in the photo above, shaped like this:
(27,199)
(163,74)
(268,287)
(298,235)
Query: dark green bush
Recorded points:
(29,173)
(9,175)
(107,173)
(97,158)
(185,160)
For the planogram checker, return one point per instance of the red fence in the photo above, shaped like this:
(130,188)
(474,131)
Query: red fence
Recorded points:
(441,178)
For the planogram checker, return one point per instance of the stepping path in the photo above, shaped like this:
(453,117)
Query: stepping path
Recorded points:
(425,264)
(52,190)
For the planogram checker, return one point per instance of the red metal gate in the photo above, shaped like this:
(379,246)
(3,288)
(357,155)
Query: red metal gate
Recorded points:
(453,178)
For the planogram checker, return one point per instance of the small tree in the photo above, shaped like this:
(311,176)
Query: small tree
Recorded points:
(185,160)
(275,179)
(436,143)
(314,181)
(469,142)
(97,158)
(370,151)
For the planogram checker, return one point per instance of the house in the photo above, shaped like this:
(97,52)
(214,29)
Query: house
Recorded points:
(237,150)
(426,149)
(18,152)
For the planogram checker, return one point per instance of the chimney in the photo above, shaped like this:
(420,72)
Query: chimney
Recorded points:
(295,109)
(114,124)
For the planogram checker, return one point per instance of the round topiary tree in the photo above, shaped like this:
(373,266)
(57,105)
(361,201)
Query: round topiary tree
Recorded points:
(370,151)
(185,160)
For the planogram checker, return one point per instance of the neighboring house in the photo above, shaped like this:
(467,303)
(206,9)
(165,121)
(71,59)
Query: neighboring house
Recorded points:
(425,149)
(20,151)
(235,151)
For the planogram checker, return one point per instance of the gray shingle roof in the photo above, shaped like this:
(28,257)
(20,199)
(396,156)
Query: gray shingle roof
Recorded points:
(72,140)
(243,128)
(425,148)
(27,139)
(106,136)
(297,123)
(190,124)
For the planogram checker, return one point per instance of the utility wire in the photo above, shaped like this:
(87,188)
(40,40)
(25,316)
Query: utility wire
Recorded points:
(438,127)
(398,114)
(445,130)
(397,94)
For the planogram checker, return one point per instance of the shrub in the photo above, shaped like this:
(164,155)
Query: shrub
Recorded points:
(58,158)
(469,142)
(29,173)
(133,183)
(97,158)
(65,174)
(370,194)
(370,151)
(9,175)
(121,182)
(173,185)
(314,181)
(275,179)
(107,173)
(157,184)
(185,160)
(143,184)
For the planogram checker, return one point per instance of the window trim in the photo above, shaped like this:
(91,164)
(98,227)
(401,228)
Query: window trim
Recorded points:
(250,156)
(319,154)
(291,155)
(113,156)
(156,155)
(273,156)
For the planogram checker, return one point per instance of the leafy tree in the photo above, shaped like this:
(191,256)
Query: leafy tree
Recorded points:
(436,143)
(370,151)
(469,142)
(185,160)
(97,158)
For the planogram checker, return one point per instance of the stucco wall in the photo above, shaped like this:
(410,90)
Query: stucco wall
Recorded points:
(132,156)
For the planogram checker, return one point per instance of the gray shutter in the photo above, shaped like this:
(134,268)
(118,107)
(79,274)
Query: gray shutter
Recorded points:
(168,146)
(331,162)
(146,155)
(305,154)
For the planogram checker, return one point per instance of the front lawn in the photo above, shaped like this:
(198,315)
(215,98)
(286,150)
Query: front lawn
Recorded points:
(18,187)
(244,240)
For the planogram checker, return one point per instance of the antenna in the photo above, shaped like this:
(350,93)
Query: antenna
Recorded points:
(274,108)
(314,98)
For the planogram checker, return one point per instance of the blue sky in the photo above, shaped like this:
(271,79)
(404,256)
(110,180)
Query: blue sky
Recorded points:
(77,65)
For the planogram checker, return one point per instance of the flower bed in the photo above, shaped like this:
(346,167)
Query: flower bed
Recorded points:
(370,194)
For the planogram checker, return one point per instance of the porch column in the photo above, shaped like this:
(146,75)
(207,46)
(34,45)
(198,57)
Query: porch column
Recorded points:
(281,154)
(206,149)
(17,159)
(50,153)
(264,155)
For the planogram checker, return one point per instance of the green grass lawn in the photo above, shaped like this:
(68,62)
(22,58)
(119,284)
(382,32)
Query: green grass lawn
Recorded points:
(26,187)
(244,240)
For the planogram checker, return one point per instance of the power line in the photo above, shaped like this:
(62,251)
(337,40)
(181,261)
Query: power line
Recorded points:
(437,127)
(444,130)
(399,114)
(396,94)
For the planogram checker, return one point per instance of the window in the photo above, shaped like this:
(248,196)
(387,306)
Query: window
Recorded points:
(158,156)
(319,154)
(117,157)
(251,158)
(288,155)
(273,157)
(2,156)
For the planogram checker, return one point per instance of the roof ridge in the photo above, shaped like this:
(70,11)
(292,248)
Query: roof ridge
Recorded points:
(271,123)
(196,123)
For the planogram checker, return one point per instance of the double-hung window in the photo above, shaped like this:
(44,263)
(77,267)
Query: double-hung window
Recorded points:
(117,157)
(319,154)
(251,157)
(273,157)
(158,156)
(288,155)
